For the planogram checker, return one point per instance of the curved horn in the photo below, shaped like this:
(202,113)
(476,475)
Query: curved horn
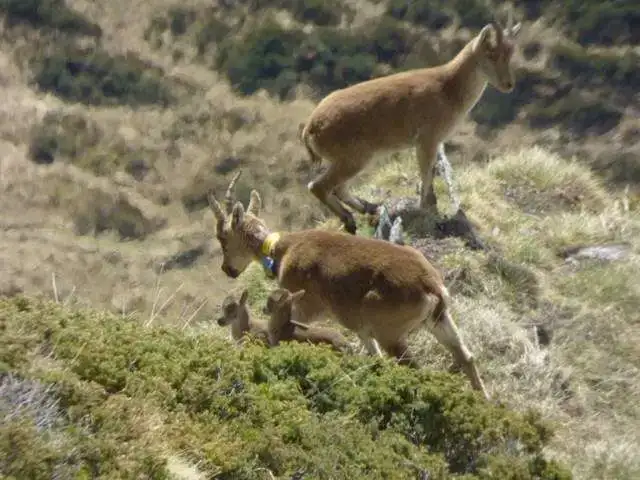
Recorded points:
(229,197)
(217,209)
(498,29)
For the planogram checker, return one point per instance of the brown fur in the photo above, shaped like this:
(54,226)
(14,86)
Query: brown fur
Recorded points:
(236,314)
(418,108)
(282,327)
(380,290)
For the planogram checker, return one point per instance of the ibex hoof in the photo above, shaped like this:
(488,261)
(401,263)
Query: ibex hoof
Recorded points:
(350,225)
(369,208)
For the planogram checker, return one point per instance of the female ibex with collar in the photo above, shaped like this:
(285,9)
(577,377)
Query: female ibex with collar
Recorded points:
(418,108)
(379,290)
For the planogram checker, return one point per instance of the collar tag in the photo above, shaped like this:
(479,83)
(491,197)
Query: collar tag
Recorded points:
(269,265)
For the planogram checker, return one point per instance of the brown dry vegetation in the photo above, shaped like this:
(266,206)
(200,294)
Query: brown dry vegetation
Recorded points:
(104,203)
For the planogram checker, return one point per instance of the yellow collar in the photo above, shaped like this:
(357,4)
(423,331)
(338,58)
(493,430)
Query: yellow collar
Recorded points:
(269,243)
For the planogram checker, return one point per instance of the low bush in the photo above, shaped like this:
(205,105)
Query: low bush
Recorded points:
(608,23)
(589,69)
(437,14)
(320,12)
(591,21)
(62,134)
(577,114)
(76,139)
(54,14)
(296,409)
(276,59)
(92,76)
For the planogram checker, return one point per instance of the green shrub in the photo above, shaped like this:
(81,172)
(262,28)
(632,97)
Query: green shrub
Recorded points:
(277,60)
(320,12)
(591,21)
(180,19)
(620,72)
(579,115)
(608,23)
(53,14)
(209,31)
(100,212)
(60,133)
(237,411)
(437,14)
(262,59)
(77,139)
(93,77)
(100,441)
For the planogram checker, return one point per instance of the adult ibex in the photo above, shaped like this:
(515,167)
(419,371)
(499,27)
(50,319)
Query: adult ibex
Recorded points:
(380,290)
(418,108)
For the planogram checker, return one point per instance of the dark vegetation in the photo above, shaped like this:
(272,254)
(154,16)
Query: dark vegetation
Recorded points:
(591,21)
(73,137)
(85,74)
(125,394)
(266,55)
(48,14)
(277,59)
(63,134)
(588,69)
(93,77)
(438,14)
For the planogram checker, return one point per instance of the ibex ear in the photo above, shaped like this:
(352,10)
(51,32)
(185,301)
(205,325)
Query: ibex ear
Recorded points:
(486,37)
(297,295)
(255,204)
(237,215)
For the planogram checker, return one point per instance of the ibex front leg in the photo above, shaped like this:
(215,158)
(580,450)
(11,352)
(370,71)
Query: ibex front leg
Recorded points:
(426,152)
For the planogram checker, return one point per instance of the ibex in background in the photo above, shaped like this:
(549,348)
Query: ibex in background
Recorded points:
(282,327)
(379,290)
(418,108)
(236,313)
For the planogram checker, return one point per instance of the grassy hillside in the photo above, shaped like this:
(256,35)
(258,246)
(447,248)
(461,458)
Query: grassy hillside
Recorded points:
(114,126)
(552,329)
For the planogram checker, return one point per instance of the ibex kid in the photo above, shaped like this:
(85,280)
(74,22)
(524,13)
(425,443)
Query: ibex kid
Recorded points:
(236,313)
(282,326)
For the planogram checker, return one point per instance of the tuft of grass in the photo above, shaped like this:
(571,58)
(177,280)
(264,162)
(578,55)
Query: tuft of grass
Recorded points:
(540,182)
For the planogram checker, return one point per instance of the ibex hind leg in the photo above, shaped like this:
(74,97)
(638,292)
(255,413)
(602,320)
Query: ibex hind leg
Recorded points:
(323,189)
(447,333)
(359,204)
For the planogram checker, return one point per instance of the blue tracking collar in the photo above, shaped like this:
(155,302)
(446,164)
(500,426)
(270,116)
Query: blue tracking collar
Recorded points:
(269,265)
